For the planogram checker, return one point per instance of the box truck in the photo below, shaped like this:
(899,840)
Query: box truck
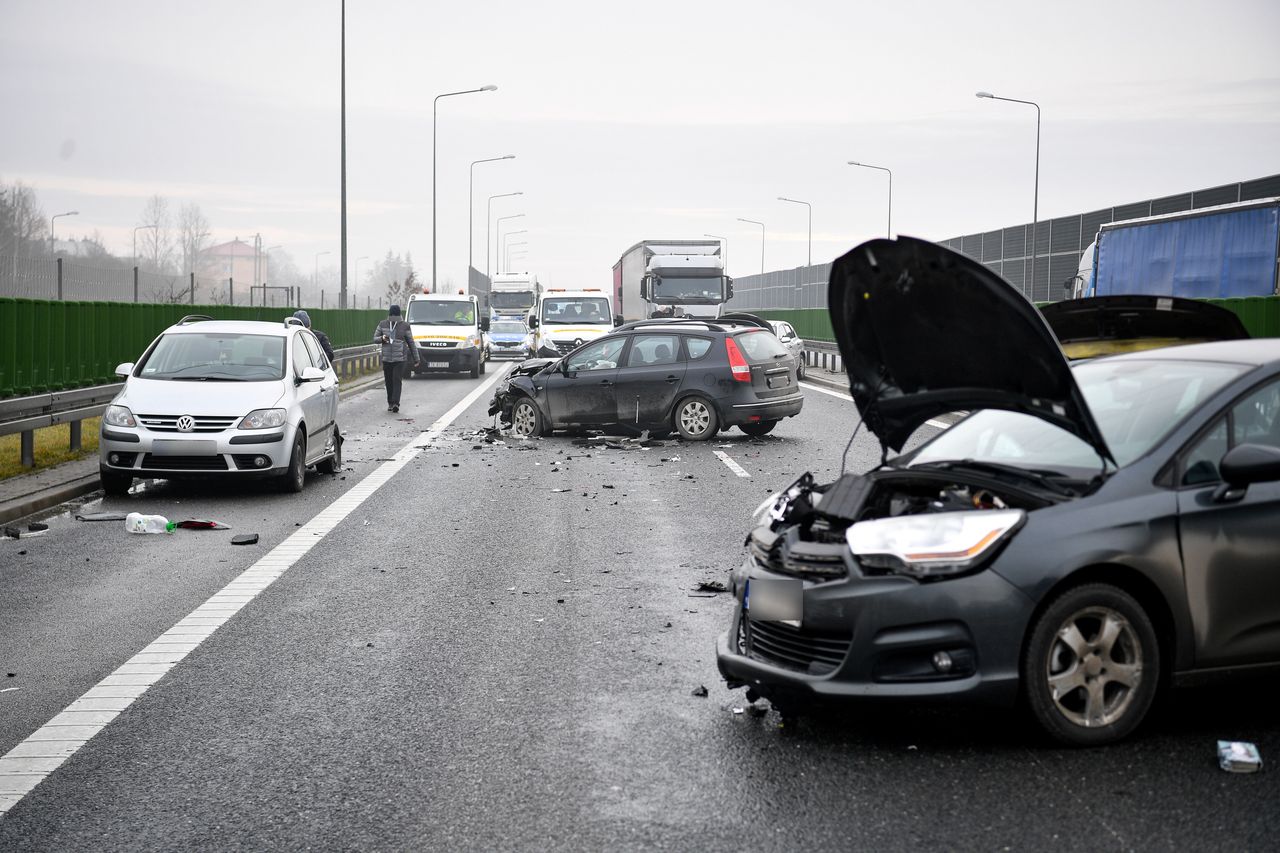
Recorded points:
(512,295)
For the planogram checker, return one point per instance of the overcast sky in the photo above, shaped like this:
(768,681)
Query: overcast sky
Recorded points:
(628,122)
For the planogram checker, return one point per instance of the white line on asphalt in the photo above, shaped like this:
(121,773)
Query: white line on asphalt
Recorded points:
(733,466)
(930,422)
(28,763)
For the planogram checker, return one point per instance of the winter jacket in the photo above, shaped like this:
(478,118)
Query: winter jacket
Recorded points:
(401,346)
(325,344)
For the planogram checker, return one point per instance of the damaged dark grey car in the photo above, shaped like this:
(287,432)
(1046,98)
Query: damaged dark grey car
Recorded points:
(1086,534)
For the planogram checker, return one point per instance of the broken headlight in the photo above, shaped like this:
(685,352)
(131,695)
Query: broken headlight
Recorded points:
(937,545)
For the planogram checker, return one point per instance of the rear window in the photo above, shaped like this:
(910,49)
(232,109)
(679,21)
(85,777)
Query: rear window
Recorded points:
(761,346)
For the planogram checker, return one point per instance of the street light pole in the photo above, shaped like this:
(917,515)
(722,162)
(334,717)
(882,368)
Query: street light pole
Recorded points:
(434,105)
(506,254)
(471,193)
(761,224)
(488,220)
(888,232)
(497,227)
(724,252)
(53,241)
(342,237)
(1035,205)
(509,235)
(806,204)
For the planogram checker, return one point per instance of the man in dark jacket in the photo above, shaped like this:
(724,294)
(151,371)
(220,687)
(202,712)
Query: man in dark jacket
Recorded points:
(398,350)
(320,336)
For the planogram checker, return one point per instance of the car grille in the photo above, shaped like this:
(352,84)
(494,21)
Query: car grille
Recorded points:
(793,648)
(564,347)
(438,345)
(813,561)
(203,423)
(184,463)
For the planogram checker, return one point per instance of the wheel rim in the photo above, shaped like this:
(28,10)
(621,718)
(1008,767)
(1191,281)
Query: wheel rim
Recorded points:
(1094,667)
(695,417)
(299,463)
(524,419)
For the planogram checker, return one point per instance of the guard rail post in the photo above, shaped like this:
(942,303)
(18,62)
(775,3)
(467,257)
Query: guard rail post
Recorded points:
(192,301)
(135,283)
(28,448)
(59,279)
(76,428)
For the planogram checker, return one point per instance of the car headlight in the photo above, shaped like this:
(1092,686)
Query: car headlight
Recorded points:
(263,419)
(469,342)
(119,416)
(934,545)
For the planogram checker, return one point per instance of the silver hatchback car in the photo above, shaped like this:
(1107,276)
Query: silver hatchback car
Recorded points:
(793,342)
(223,398)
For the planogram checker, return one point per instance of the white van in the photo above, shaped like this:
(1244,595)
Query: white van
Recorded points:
(449,331)
(563,320)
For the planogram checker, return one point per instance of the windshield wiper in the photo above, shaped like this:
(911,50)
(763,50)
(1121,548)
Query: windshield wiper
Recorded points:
(1048,479)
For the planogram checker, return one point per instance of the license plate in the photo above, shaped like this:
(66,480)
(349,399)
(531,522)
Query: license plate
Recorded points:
(779,382)
(774,600)
(437,364)
(187,447)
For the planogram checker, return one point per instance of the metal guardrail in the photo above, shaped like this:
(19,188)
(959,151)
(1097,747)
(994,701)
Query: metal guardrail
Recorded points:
(25,415)
(824,355)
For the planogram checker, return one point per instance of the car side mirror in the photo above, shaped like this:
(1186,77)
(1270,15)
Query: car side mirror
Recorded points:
(484,324)
(728,288)
(644,287)
(311,374)
(1250,463)
(533,322)
(617,319)
(124,369)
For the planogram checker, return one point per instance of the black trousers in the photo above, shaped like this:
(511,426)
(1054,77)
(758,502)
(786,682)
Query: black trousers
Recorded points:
(393,375)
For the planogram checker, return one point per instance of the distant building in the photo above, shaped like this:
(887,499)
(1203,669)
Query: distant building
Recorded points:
(236,260)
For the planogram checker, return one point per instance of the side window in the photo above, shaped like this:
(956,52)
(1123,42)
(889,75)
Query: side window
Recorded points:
(301,358)
(697,347)
(313,349)
(649,350)
(601,355)
(1256,418)
(1201,465)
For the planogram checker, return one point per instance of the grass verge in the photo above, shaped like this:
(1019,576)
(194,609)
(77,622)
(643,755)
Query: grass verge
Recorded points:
(51,447)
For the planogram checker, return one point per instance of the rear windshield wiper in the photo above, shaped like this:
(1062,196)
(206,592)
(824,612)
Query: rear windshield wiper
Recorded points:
(1052,480)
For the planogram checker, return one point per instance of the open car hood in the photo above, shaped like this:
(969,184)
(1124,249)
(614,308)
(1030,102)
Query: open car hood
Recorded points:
(1106,325)
(924,330)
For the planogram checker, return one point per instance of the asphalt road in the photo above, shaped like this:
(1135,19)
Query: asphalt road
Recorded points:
(497,650)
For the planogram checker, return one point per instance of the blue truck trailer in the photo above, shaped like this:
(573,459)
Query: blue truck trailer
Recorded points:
(1210,253)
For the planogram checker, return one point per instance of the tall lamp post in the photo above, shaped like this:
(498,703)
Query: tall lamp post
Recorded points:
(508,236)
(1035,204)
(806,204)
(471,192)
(488,220)
(434,105)
(724,252)
(53,241)
(135,242)
(507,254)
(497,228)
(761,224)
(888,231)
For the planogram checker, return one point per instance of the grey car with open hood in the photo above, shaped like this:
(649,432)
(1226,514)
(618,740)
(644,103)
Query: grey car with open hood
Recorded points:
(1086,533)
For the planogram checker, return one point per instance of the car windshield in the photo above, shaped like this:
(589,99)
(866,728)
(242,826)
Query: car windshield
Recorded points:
(1135,404)
(453,312)
(507,329)
(575,309)
(215,357)
(523,299)
(698,289)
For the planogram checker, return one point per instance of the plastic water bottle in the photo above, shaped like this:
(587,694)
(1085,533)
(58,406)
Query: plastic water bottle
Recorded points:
(136,522)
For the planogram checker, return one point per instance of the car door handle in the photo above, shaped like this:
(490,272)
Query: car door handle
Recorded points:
(671,380)
(606,381)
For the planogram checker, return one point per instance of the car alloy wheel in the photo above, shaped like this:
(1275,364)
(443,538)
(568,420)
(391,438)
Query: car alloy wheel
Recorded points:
(525,418)
(1092,665)
(295,478)
(696,420)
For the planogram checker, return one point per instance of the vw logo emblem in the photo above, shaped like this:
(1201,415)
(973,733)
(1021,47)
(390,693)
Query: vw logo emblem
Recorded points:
(186,423)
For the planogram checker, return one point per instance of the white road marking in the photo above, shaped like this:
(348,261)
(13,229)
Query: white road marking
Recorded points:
(30,762)
(930,422)
(733,466)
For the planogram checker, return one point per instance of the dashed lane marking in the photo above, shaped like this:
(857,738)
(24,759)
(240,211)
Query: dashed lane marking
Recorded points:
(733,466)
(930,422)
(30,762)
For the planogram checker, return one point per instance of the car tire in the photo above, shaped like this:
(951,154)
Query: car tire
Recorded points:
(114,485)
(1083,639)
(333,464)
(475,368)
(526,419)
(484,365)
(800,370)
(295,477)
(759,428)
(696,419)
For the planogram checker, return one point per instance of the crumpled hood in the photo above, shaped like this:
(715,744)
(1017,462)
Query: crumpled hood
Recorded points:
(166,397)
(924,330)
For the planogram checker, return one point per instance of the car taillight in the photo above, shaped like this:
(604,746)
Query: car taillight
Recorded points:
(737,364)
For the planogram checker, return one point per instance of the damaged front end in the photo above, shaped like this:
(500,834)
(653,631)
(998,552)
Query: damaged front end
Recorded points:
(518,382)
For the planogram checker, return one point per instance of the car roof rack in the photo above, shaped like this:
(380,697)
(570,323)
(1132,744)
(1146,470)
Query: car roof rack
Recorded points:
(293,321)
(193,318)
(747,318)
(671,321)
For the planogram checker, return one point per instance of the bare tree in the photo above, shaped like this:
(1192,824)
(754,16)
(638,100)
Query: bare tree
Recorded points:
(155,241)
(22,223)
(193,235)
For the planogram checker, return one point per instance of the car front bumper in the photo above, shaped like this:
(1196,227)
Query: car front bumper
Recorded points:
(876,638)
(144,453)
(455,360)
(519,351)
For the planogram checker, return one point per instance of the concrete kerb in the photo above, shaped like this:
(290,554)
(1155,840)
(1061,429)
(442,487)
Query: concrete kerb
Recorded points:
(78,486)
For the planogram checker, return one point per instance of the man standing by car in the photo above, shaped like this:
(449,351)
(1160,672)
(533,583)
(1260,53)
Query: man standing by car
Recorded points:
(398,348)
(325,344)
